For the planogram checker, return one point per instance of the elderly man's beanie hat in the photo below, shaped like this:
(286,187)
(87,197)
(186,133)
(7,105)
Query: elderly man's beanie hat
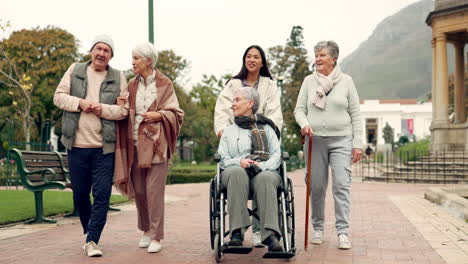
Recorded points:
(104,39)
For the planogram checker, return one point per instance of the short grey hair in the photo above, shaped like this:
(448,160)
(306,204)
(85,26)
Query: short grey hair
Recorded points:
(147,51)
(331,46)
(250,93)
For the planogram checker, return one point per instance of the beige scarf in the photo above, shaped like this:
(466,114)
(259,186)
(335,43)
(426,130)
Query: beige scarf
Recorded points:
(326,83)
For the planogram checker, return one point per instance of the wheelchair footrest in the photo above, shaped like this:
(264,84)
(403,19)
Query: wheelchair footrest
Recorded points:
(279,255)
(236,250)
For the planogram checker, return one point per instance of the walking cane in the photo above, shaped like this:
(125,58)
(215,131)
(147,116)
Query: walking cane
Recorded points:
(309,161)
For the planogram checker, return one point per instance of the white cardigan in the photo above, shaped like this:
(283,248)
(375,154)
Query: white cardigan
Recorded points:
(269,103)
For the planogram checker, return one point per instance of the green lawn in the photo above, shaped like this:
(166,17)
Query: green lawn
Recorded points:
(18,205)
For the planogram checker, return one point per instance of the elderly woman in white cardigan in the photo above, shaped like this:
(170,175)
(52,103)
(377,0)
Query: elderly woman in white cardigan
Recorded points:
(327,109)
(250,156)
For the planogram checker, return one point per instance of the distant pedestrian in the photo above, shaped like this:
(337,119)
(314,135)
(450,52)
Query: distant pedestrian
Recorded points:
(87,95)
(369,151)
(327,110)
(146,140)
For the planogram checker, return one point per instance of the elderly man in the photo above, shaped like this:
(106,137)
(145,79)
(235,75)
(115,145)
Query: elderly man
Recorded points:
(87,95)
(250,155)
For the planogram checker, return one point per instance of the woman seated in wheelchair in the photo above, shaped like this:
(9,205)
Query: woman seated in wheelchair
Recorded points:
(250,157)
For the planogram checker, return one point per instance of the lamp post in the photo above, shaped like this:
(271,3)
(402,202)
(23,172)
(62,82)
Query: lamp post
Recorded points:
(150,21)
(280,80)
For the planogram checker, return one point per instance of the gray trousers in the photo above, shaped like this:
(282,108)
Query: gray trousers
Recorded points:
(336,153)
(264,188)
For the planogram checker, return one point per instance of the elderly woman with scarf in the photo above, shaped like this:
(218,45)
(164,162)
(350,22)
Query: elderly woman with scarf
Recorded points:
(328,110)
(146,140)
(250,156)
(254,73)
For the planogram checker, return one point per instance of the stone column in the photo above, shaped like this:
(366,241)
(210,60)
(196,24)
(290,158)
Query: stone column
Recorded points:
(441,79)
(434,72)
(460,115)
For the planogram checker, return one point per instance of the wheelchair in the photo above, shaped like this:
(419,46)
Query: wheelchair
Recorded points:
(218,213)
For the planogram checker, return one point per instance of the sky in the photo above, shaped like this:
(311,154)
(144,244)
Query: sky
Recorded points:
(211,34)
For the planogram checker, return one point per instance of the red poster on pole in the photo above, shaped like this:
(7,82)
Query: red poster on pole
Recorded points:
(410,124)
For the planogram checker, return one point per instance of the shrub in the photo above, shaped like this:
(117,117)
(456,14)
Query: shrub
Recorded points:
(190,173)
(412,151)
(379,157)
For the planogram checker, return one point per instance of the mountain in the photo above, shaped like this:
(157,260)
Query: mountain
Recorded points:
(395,62)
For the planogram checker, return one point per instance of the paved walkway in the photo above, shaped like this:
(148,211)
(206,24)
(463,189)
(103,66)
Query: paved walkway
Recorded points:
(391,223)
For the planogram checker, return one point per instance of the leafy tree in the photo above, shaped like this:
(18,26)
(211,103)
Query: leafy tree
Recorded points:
(291,62)
(175,67)
(36,58)
(204,95)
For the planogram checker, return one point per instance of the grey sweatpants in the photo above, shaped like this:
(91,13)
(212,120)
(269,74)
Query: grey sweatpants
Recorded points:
(264,187)
(336,153)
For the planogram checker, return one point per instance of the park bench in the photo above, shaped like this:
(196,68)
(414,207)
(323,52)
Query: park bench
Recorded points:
(39,171)
(43,170)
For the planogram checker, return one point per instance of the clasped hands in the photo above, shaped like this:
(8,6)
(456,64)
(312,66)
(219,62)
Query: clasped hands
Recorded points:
(148,117)
(89,106)
(245,163)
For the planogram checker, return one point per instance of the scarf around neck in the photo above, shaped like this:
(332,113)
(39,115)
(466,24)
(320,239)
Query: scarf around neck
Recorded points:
(326,83)
(260,150)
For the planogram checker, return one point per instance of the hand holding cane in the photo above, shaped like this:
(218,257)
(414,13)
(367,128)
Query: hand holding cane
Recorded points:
(309,161)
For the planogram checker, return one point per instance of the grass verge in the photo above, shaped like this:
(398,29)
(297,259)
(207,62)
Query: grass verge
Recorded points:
(18,205)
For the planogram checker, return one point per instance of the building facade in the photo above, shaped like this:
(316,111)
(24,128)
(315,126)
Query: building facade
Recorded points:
(406,117)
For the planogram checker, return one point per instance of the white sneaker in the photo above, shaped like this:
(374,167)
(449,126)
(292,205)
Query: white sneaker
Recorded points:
(257,240)
(154,247)
(318,237)
(92,250)
(343,242)
(145,241)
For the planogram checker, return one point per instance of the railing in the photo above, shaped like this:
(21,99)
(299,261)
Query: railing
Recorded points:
(9,179)
(294,163)
(414,166)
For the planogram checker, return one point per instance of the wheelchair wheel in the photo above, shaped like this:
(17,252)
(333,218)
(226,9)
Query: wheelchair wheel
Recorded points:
(212,213)
(291,214)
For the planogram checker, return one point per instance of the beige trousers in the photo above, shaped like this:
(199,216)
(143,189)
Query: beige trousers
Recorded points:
(149,185)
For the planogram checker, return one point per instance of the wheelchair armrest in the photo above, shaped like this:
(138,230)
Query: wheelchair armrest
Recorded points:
(217,157)
(285,155)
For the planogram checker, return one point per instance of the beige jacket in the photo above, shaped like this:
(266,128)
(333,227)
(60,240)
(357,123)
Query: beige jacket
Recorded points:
(270,105)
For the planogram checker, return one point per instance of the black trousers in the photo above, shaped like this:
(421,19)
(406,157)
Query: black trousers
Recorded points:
(91,170)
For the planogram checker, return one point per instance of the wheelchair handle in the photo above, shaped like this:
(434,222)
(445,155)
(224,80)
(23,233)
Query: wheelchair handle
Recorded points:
(217,157)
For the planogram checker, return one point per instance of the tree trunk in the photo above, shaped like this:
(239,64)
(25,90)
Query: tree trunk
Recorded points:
(27,129)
